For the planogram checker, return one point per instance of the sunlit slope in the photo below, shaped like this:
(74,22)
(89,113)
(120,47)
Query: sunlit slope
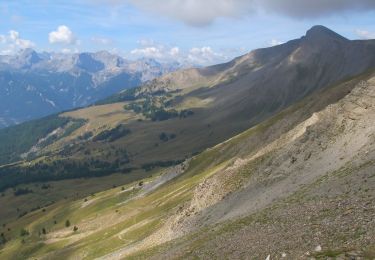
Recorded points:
(310,166)
(181,114)
(144,130)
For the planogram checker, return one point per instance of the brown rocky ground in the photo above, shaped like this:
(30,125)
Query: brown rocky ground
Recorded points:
(331,219)
(308,194)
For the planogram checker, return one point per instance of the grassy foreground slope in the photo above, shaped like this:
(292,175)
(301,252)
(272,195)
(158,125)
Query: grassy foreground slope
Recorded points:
(300,184)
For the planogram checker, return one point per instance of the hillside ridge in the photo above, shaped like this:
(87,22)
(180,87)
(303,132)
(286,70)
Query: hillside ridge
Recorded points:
(309,166)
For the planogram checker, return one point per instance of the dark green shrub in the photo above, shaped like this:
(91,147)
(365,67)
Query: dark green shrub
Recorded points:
(22,191)
(67,223)
(24,232)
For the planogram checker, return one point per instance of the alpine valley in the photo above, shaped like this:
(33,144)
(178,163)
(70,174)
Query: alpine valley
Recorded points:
(34,84)
(268,156)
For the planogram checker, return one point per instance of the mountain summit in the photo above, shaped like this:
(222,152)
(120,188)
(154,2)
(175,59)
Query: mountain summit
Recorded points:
(320,32)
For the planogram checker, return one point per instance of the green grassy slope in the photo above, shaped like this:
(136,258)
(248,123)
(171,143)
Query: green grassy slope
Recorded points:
(20,139)
(129,221)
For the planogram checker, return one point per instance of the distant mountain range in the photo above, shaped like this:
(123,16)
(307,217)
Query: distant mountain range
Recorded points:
(36,84)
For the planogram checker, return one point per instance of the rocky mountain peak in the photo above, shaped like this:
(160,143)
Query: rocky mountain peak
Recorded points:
(28,57)
(322,33)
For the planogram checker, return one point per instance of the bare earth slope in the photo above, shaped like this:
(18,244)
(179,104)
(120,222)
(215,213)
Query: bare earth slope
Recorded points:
(310,188)
(299,185)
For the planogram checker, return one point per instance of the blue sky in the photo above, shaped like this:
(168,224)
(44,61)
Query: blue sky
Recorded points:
(199,31)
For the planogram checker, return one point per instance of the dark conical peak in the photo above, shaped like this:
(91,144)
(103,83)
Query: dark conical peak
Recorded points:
(320,32)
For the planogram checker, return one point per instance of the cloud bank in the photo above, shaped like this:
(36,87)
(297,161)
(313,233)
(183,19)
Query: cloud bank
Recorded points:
(204,12)
(195,56)
(316,8)
(195,12)
(13,42)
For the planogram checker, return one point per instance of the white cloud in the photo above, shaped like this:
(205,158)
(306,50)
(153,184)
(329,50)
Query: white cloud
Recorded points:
(316,8)
(275,42)
(204,56)
(14,35)
(195,56)
(15,39)
(62,35)
(175,51)
(195,12)
(13,42)
(366,35)
(204,12)
(149,52)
